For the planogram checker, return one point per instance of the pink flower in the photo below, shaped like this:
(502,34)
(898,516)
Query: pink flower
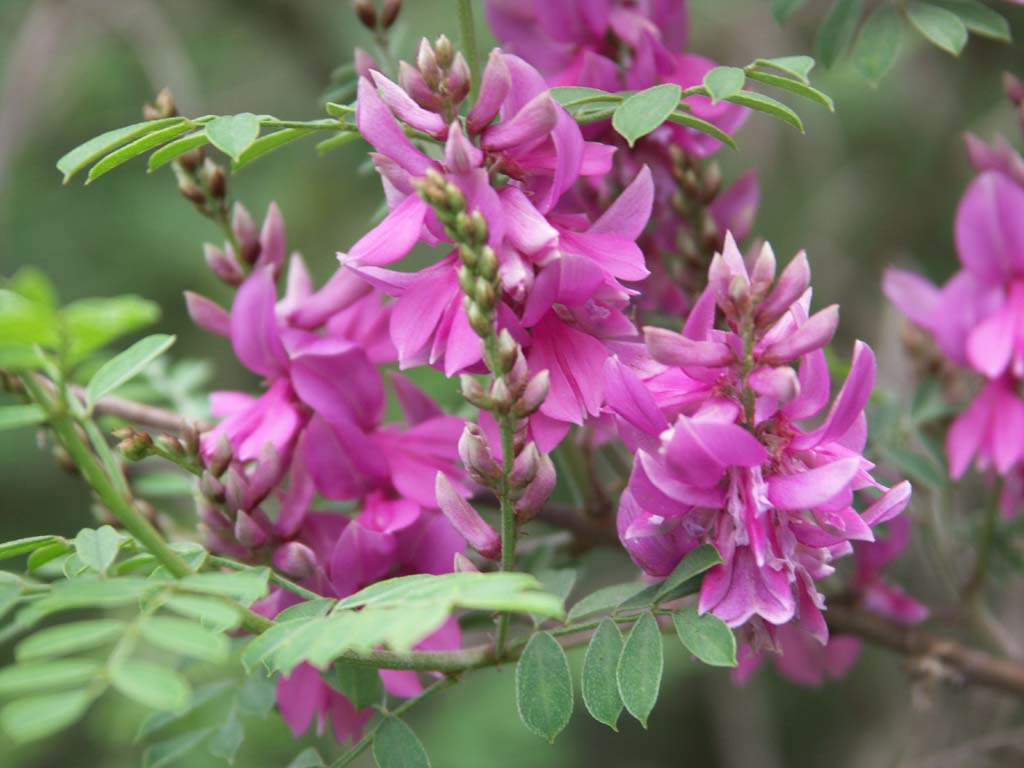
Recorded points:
(730,462)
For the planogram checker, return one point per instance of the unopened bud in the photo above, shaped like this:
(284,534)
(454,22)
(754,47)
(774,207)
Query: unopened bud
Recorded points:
(389,12)
(1014,88)
(519,372)
(476,455)
(467,281)
(213,517)
(483,293)
(500,394)
(214,178)
(466,520)
(211,487)
(265,476)
(295,560)
(458,79)
(221,456)
(366,12)
(170,444)
(191,191)
(426,62)
(508,350)
(246,232)
(534,395)
(248,532)
(538,491)
(149,112)
(190,160)
(479,320)
(137,446)
(488,265)
(222,265)
(468,256)
(190,437)
(525,467)
(712,182)
(164,103)
(474,392)
(235,489)
(690,184)
(444,51)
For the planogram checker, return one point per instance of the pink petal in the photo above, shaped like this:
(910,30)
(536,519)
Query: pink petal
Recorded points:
(808,489)
(254,332)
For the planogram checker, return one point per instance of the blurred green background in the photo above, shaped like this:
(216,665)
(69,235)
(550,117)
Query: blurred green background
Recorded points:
(874,184)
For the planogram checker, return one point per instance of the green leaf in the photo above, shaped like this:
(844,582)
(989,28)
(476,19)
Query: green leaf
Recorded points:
(642,112)
(269,143)
(233,134)
(176,149)
(94,323)
(213,613)
(769,106)
(34,285)
(69,638)
(942,28)
(695,563)
(257,696)
(920,467)
(783,9)
(34,676)
(247,586)
(640,666)
(575,96)
(39,716)
(544,687)
(930,403)
(603,600)
(150,684)
(684,118)
(642,599)
(136,148)
(309,609)
(396,746)
(86,154)
(600,683)
(723,82)
(17,416)
(308,758)
(158,721)
(24,322)
(979,18)
(10,593)
(21,546)
(127,365)
(168,752)
(45,554)
(226,740)
(88,593)
(793,86)
(558,582)
(334,142)
(185,637)
(879,43)
(594,115)
(707,637)
(98,548)
(836,34)
(360,684)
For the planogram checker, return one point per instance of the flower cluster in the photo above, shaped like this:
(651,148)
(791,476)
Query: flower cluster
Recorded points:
(724,454)
(977,318)
(560,272)
(617,46)
(319,424)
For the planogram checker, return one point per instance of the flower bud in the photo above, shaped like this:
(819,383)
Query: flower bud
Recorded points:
(190,190)
(213,517)
(295,560)
(214,179)
(1013,88)
(781,384)
(248,532)
(476,455)
(190,437)
(534,395)
(221,456)
(488,266)
(458,79)
(790,286)
(246,232)
(464,519)
(164,103)
(389,13)
(507,351)
(412,82)
(136,446)
(763,274)
(711,183)
(426,62)
(211,488)
(170,444)
(519,372)
(500,394)
(538,491)
(366,12)
(525,467)
(445,52)
(469,258)
(463,564)
(267,473)
(474,392)
(479,319)
(814,334)
(235,489)
(223,266)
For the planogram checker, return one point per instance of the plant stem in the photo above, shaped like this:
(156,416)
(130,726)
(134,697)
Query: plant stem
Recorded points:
(467,37)
(405,706)
(508,519)
(281,581)
(120,504)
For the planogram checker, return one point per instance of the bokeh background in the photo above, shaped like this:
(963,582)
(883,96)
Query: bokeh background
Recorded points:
(874,184)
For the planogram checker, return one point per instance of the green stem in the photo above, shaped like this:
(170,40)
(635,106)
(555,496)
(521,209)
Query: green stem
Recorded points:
(281,581)
(467,36)
(405,706)
(119,503)
(508,519)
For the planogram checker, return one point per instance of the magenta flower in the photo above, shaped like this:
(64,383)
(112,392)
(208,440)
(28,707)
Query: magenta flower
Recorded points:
(729,461)
(977,318)
(562,275)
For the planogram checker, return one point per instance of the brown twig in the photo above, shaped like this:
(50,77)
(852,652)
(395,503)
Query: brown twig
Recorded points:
(962,663)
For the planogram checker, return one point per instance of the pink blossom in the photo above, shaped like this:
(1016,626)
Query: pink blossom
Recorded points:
(731,461)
